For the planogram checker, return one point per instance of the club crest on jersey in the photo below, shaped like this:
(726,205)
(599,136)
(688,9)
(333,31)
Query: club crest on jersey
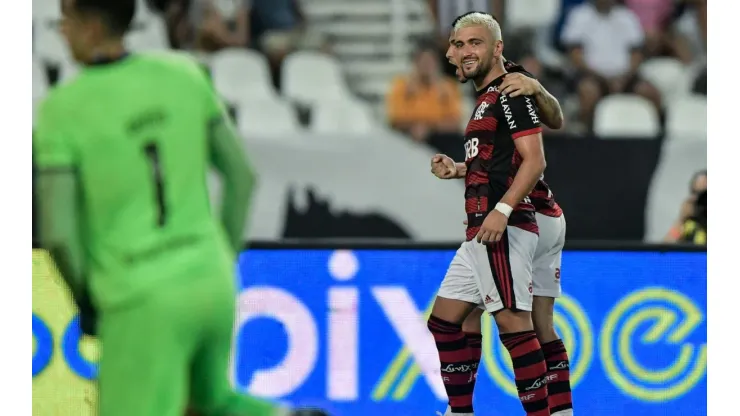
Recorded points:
(480,110)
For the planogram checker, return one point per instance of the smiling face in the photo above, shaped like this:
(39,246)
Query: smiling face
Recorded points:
(451,56)
(477,50)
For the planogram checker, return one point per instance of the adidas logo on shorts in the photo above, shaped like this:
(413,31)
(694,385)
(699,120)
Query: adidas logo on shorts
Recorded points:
(488,300)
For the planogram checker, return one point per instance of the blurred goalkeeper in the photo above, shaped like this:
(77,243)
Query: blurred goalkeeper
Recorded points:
(122,154)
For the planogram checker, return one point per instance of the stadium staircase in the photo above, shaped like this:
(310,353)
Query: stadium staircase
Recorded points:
(373,39)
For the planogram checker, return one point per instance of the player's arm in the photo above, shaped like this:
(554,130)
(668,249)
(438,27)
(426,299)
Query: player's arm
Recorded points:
(524,83)
(527,136)
(237,174)
(58,198)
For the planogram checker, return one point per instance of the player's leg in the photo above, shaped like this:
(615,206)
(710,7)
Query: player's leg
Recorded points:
(210,391)
(504,271)
(144,362)
(457,297)
(472,329)
(546,284)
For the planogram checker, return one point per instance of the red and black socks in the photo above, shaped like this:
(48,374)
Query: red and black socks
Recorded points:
(558,378)
(530,371)
(455,358)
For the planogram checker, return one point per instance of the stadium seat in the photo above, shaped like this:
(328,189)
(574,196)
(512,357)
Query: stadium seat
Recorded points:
(40,83)
(308,77)
(687,118)
(667,75)
(49,46)
(267,117)
(532,14)
(626,116)
(241,75)
(150,35)
(46,9)
(348,116)
(144,13)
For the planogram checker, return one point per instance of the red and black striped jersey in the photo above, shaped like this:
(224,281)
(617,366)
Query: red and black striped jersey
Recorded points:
(491,157)
(541,197)
(543,200)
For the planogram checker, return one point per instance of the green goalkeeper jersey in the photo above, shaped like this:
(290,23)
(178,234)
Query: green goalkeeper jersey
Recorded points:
(135,133)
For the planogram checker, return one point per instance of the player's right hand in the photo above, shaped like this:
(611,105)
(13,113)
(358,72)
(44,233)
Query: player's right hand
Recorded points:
(443,167)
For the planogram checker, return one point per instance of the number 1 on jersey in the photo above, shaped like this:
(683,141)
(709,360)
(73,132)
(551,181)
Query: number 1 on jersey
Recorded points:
(152,153)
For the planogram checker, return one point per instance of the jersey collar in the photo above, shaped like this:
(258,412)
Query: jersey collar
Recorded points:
(107,60)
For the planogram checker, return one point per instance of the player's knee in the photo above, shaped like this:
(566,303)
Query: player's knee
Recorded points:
(451,310)
(472,322)
(509,321)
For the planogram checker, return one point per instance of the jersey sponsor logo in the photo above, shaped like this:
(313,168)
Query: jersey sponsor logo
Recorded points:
(471,148)
(507,112)
(532,112)
(480,111)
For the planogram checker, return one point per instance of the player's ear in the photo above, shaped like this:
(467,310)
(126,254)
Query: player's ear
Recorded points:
(498,48)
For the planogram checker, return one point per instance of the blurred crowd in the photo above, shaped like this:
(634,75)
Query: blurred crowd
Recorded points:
(601,45)
(273,27)
(596,49)
(583,52)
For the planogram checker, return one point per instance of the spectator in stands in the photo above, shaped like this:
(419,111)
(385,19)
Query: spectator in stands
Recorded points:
(697,186)
(445,11)
(694,230)
(661,39)
(279,28)
(213,27)
(605,43)
(425,103)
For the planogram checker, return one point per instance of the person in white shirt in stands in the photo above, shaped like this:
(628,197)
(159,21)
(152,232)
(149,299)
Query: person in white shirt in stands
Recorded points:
(605,42)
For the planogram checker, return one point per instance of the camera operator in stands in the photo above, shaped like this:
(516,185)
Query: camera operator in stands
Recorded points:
(690,209)
(694,230)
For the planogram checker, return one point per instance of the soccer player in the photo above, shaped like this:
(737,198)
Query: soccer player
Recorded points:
(547,261)
(546,269)
(122,154)
(493,268)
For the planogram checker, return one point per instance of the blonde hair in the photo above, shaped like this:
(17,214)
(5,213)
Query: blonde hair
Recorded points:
(480,19)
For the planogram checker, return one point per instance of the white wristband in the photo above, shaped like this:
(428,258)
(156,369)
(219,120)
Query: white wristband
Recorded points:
(504,209)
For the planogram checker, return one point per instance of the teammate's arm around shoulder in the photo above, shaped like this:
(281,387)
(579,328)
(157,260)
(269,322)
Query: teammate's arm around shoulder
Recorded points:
(238,177)
(527,135)
(523,83)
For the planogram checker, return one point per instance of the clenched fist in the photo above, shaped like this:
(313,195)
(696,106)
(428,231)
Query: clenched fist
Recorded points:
(444,167)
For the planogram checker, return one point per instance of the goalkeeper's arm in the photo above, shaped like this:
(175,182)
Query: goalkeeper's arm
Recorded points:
(57,196)
(238,177)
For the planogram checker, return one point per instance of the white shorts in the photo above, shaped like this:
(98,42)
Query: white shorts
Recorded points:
(548,256)
(493,276)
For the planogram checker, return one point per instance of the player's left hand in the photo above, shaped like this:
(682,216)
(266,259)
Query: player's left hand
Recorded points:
(493,228)
(516,84)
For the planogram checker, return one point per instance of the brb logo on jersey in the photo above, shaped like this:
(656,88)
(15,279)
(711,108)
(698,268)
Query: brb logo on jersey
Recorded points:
(471,148)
